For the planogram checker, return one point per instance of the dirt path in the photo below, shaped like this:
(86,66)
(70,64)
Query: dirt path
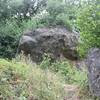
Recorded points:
(72,92)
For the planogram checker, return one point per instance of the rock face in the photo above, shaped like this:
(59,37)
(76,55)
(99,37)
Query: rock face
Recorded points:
(93,63)
(56,41)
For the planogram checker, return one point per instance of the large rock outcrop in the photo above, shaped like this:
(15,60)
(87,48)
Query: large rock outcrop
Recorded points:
(93,63)
(56,41)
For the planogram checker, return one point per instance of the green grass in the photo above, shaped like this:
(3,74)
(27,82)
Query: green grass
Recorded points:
(21,81)
(70,73)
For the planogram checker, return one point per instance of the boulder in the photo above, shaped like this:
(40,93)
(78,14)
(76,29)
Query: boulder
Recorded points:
(56,41)
(93,64)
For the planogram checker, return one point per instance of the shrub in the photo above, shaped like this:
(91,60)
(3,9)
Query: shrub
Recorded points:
(21,81)
(62,19)
(31,24)
(10,32)
(54,7)
(89,23)
(20,9)
(69,72)
(9,36)
(71,75)
(57,14)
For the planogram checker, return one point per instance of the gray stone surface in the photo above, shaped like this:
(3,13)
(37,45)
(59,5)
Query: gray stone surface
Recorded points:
(93,63)
(56,41)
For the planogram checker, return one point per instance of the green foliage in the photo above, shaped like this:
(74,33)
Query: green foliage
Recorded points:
(9,35)
(57,14)
(62,19)
(25,81)
(30,24)
(70,73)
(20,9)
(10,32)
(54,7)
(89,25)
(19,80)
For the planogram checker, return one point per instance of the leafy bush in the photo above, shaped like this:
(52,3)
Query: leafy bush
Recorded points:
(20,9)
(30,24)
(71,75)
(56,14)
(10,32)
(21,81)
(62,19)
(89,23)
(9,36)
(69,72)
(54,7)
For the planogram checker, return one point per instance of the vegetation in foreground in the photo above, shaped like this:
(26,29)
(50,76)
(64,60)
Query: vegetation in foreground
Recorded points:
(23,80)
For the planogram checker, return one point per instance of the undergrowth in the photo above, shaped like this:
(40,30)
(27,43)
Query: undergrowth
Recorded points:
(21,81)
(69,72)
